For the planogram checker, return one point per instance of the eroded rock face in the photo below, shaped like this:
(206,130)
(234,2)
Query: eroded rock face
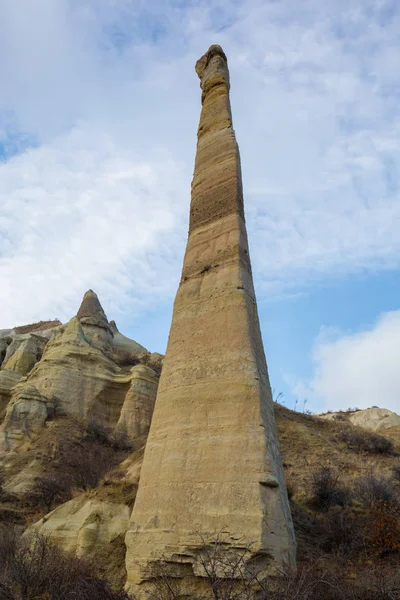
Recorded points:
(25,416)
(83,524)
(8,380)
(76,376)
(137,410)
(79,378)
(19,352)
(24,352)
(212,447)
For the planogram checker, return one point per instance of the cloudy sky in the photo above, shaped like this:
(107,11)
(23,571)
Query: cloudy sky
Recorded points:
(99,105)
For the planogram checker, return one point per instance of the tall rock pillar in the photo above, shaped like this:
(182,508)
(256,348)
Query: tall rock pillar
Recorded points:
(212,460)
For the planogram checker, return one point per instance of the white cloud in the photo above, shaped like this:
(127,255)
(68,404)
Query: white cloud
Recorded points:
(358,369)
(108,93)
(81,212)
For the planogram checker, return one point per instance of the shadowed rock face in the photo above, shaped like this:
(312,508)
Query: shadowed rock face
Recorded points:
(212,448)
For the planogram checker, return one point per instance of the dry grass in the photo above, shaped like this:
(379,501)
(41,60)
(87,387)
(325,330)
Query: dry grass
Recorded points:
(307,442)
(39,326)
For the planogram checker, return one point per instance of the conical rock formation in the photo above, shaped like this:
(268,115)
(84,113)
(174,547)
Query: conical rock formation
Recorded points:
(94,323)
(76,376)
(212,459)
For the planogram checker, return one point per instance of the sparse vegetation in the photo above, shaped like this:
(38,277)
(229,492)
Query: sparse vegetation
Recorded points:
(39,326)
(50,490)
(32,568)
(227,576)
(396,473)
(385,535)
(74,456)
(326,489)
(361,440)
(124,359)
(371,490)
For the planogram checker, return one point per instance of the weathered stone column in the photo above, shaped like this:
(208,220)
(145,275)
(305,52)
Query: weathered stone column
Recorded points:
(212,460)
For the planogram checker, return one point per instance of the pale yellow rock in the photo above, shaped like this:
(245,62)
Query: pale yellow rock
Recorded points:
(8,380)
(20,353)
(23,353)
(25,417)
(84,524)
(212,458)
(373,419)
(76,376)
(79,378)
(137,410)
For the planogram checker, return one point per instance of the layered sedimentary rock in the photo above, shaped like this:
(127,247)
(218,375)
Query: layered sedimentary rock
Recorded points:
(76,376)
(79,378)
(94,323)
(19,353)
(212,459)
(25,416)
(137,410)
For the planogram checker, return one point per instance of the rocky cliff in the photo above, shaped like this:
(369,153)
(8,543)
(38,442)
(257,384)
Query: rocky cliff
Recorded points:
(74,370)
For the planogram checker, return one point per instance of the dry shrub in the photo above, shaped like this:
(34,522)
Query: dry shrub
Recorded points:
(342,533)
(50,490)
(32,568)
(81,460)
(39,326)
(361,440)
(314,582)
(385,534)
(228,576)
(96,433)
(372,489)
(85,468)
(326,489)
(124,359)
(396,473)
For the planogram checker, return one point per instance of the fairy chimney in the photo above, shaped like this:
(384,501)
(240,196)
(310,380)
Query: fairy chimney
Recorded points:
(212,460)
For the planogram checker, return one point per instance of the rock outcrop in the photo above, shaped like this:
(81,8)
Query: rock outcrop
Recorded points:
(379,420)
(137,410)
(83,524)
(25,416)
(76,376)
(212,447)
(19,352)
(95,326)
(123,343)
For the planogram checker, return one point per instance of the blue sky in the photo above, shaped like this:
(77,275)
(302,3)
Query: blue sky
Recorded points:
(98,117)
